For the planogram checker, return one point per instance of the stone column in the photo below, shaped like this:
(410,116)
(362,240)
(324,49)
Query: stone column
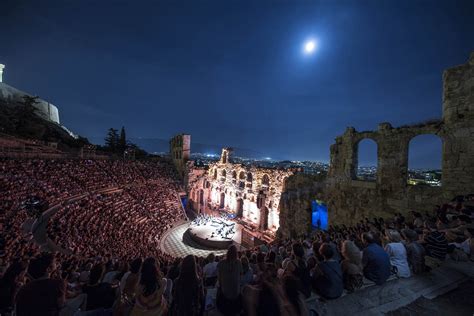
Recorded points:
(1,72)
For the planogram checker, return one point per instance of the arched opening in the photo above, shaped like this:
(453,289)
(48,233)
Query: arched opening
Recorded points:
(264,218)
(234,175)
(222,201)
(261,200)
(365,166)
(242,180)
(201,197)
(215,174)
(249,177)
(319,215)
(240,207)
(265,180)
(223,175)
(425,160)
(249,180)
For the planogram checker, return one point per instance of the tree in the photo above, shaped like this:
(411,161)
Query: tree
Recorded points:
(112,140)
(122,143)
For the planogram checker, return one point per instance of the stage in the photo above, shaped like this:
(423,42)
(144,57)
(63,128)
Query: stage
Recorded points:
(173,243)
(212,233)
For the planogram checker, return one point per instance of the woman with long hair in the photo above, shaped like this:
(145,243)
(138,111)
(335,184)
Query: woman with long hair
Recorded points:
(149,295)
(188,292)
(229,274)
(351,266)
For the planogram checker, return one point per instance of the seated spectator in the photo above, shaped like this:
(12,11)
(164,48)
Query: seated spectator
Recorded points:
(229,273)
(188,292)
(294,301)
(10,283)
(328,279)
(415,251)
(375,261)
(299,269)
(210,270)
(149,298)
(351,266)
(42,295)
(247,273)
(100,295)
(435,242)
(398,254)
(128,286)
(111,272)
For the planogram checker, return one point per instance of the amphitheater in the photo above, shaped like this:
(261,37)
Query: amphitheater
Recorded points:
(106,212)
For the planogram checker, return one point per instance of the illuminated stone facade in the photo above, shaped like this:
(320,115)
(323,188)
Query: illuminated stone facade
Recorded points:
(251,193)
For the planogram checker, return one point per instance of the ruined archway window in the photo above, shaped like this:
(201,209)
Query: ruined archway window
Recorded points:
(223,175)
(265,180)
(215,174)
(249,177)
(242,180)
(366,163)
(424,160)
(234,175)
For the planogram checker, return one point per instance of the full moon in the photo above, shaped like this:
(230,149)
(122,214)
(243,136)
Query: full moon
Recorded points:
(310,46)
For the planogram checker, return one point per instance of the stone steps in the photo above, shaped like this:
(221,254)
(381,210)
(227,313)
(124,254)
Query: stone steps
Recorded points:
(378,300)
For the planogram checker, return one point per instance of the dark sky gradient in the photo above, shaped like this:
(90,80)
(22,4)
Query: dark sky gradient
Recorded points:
(232,72)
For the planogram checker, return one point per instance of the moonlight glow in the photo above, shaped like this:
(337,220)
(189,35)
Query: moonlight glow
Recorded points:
(310,46)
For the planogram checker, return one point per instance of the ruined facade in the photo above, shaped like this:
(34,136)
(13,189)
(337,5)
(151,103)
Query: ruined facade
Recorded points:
(251,192)
(350,200)
(180,151)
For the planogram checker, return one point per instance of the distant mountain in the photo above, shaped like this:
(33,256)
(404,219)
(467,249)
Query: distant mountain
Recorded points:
(152,145)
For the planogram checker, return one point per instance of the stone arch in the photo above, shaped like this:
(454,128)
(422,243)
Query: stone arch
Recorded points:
(365,162)
(249,177)
(234,174)
(266,180)
(242,179)
(222,200)
(424,159)
(223,173)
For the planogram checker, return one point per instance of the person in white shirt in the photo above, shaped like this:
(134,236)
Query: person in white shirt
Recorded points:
(398,254)
(210,270)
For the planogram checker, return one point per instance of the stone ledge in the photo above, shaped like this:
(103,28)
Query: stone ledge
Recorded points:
(377,300)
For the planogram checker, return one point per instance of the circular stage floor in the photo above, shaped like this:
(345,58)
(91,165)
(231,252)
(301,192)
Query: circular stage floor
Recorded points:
(172,242)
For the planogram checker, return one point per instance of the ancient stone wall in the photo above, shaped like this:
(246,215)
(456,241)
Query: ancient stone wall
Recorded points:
(350,200)
(251,192)
(180,151)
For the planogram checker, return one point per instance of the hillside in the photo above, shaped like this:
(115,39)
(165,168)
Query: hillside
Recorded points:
(20,120)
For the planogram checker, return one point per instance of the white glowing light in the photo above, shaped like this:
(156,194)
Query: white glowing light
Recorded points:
(310,46)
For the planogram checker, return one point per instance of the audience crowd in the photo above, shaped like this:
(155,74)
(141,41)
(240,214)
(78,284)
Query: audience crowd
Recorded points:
(110,261)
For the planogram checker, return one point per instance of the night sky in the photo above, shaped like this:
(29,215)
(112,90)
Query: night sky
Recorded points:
(233,72)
